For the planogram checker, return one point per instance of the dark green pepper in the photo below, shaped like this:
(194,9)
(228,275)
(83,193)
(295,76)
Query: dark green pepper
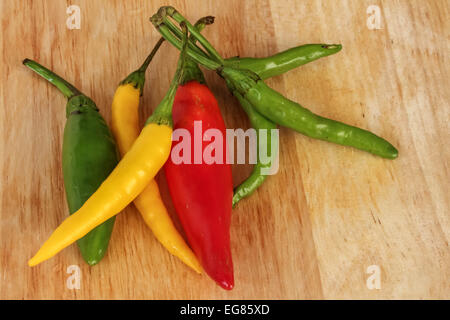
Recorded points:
(89,155)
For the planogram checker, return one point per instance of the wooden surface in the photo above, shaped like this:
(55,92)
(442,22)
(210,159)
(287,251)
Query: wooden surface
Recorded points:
(312,230)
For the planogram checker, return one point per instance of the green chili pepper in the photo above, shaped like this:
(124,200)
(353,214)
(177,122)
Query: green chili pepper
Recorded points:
(89,155)
(270,103)
(292,115)
(257,177)
(266,68)
(284,61)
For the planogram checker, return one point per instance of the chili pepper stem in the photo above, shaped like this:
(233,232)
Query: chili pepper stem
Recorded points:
(147,61)
(201,24)
(137,77)
(175,41)
(211,60)
(163,113)
(191,70)
(169,11)
(157,21)
(67,89)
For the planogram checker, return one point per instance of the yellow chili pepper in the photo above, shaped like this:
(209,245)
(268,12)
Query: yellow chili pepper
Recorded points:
(131,176)
(125,127)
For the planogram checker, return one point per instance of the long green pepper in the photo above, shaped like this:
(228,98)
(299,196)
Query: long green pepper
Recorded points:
(89,154)
(268,67)
(292,115)
(270,103)
(256,178)
(265,67)
(277,64)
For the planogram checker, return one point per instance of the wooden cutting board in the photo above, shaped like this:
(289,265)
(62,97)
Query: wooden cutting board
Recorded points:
(333,223)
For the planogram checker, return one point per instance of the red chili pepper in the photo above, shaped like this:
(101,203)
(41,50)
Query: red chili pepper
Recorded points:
(202,193)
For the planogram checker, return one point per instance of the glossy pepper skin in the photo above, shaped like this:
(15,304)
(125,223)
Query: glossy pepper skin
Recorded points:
(202,193)
(269,102)
(128,179)
(89,154)
(292,115)
(277,64)
(125,127)
(257,177)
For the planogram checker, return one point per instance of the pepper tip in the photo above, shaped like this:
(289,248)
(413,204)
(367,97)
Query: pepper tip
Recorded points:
(32,262)
(227,285)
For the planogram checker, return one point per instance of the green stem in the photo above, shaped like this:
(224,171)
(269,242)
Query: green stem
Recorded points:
(158,20)
(137,77)
(163,113)
(168,11)
(149,58)
(66,88)
(171,38)
(201,24)
(191,70)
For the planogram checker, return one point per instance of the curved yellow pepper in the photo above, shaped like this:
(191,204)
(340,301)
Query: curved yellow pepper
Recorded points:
(125,127)
(133,173)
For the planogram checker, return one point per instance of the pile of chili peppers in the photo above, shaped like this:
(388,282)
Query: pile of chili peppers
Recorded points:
(99,186)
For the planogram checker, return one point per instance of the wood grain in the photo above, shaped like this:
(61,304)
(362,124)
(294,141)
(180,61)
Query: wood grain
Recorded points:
(313,229)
